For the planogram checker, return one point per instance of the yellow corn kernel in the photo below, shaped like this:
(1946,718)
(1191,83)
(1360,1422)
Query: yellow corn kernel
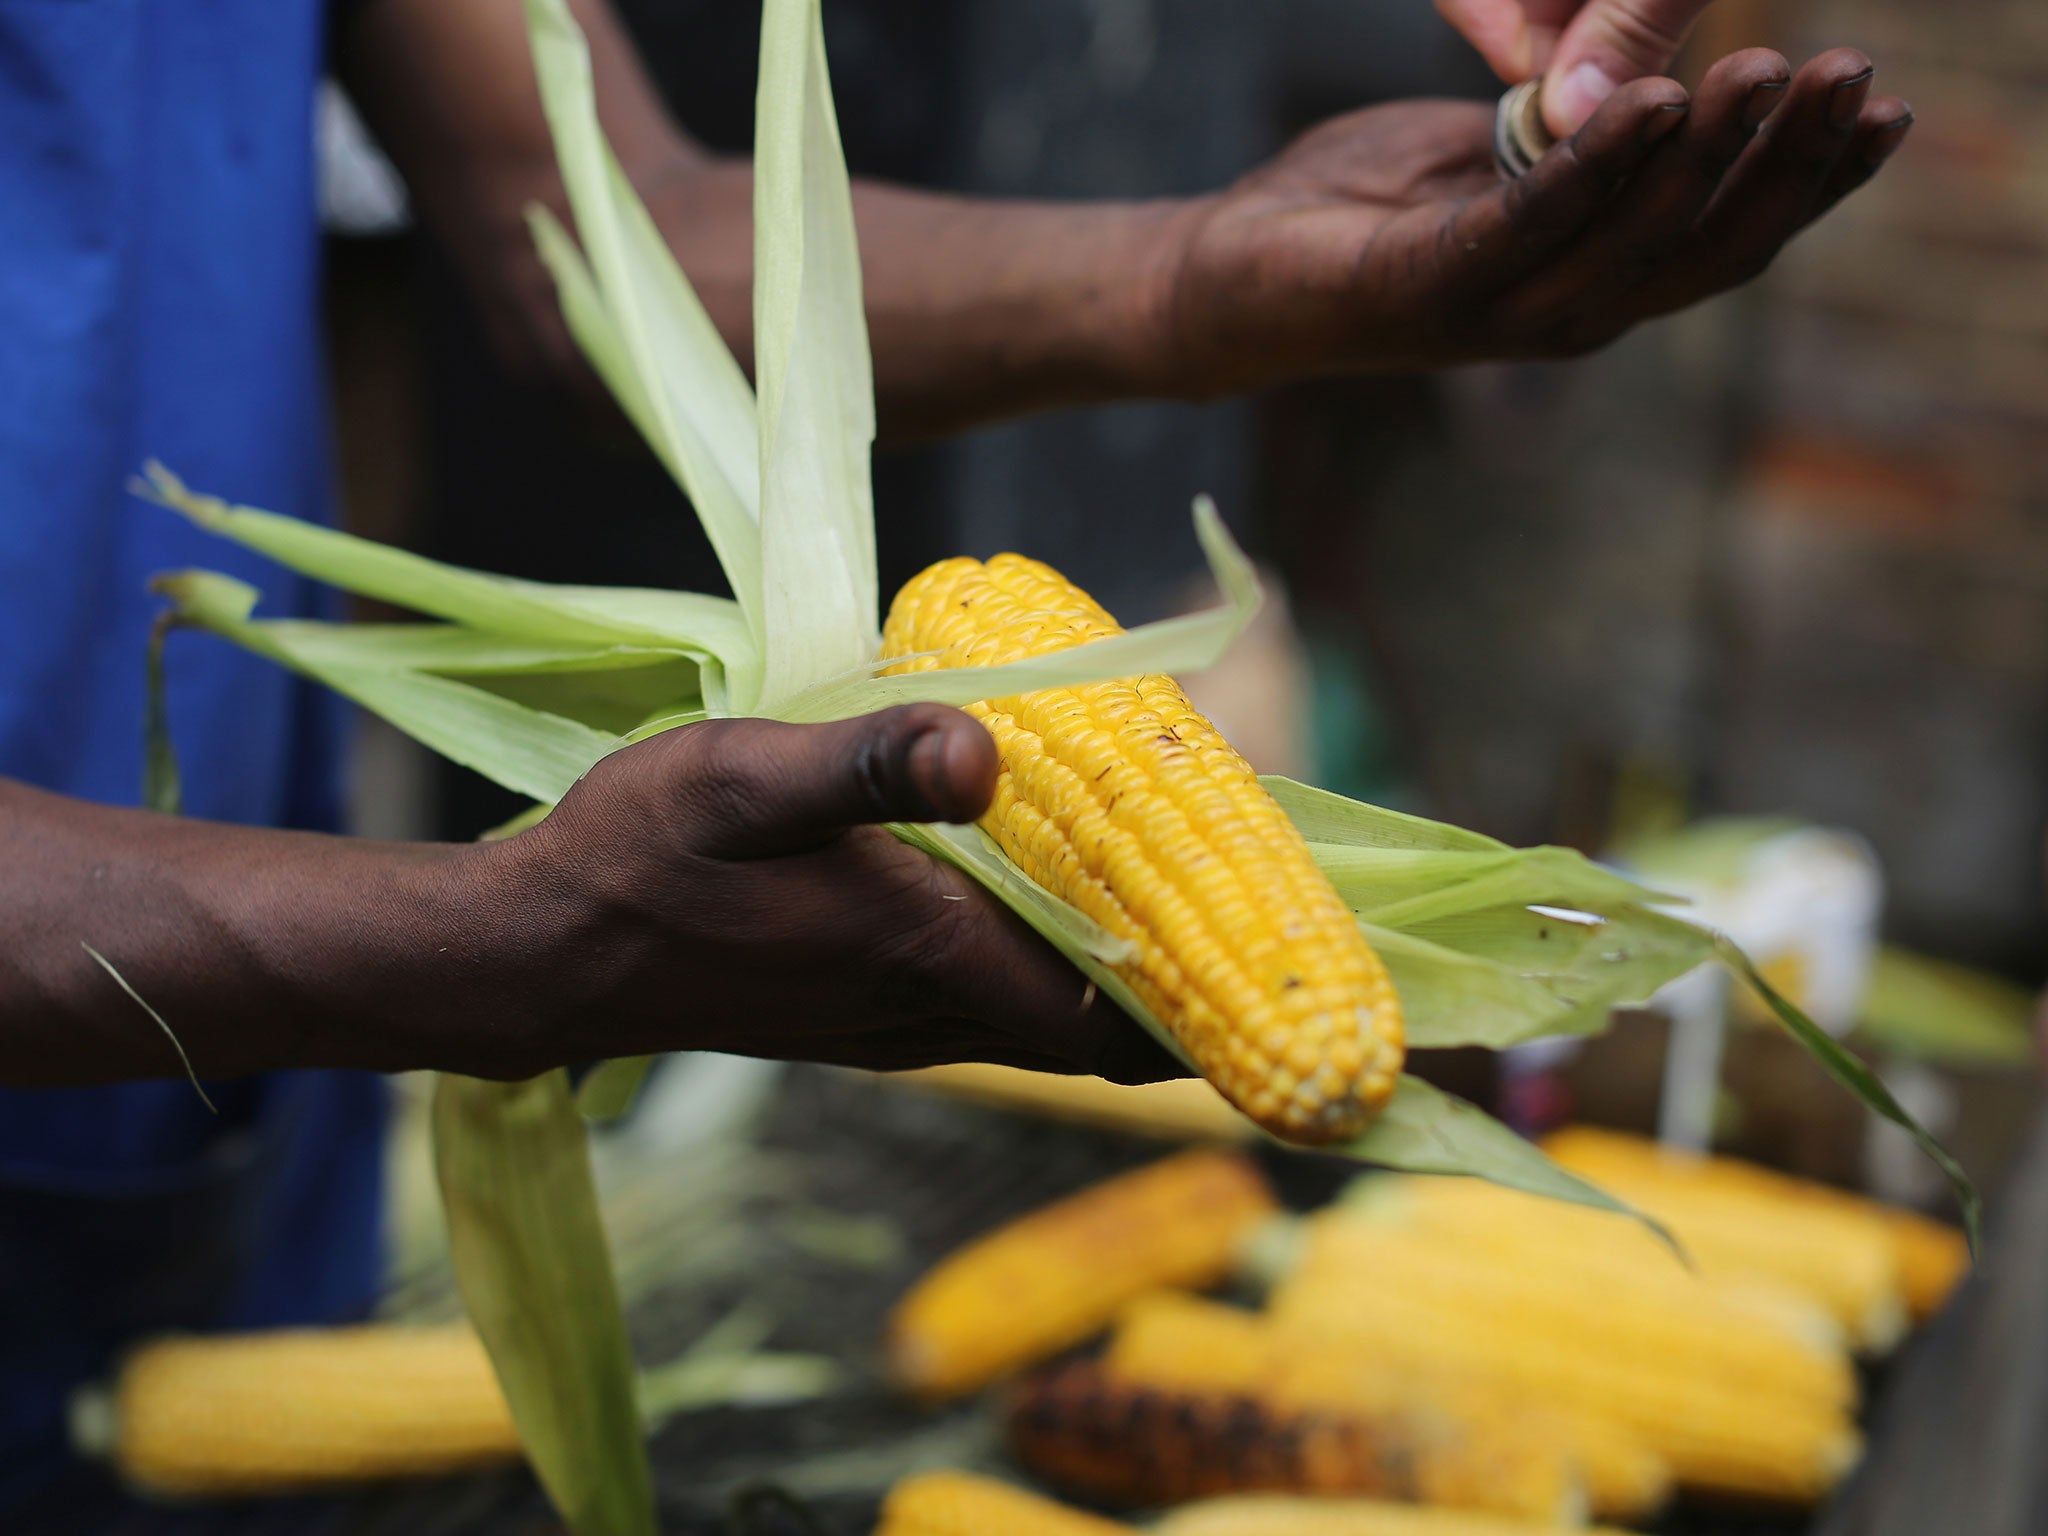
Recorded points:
(1715,1438)
(1597,1251)
(271,1412)
(1182,1343)
(1932,1256)
(961,1504)
(1124,801)
(1842,1259)
(1057,1276)
(1280,1515)
(1719,1346)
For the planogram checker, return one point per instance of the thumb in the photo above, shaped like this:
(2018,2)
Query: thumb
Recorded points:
(1608,44)
(767,788)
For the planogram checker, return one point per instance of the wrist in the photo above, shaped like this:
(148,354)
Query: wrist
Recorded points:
(1147,337)
(527,955)
(1195,343)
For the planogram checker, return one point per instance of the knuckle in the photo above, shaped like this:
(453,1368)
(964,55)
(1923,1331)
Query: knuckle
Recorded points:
(712,768)
(1649,31)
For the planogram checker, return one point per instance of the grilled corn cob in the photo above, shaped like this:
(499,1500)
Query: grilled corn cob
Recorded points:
(1173,1343)
(961,1504)
(1715,1437)
(1277,1515)
(1124,801)
(1087,1431)
(1053,1278)
(1931,1255)
(271,1412)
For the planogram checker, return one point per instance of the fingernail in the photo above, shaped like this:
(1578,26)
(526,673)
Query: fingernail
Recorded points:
(1584,88)
(1847,100)
(1763,101)
(1664,119)
(1885,142)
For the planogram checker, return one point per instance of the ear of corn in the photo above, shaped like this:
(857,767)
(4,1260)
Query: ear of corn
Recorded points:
(1586,1249)
(1716,1437)
(1094,1433)
(271,1412)
(1057,1276)
(1931,1256)
(1125,802)
(1182,1344)
(1843,1261)
(961,1504)
(1713,1345)
(1278,1515)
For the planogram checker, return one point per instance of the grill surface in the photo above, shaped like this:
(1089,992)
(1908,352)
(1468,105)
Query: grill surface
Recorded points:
(817,1220)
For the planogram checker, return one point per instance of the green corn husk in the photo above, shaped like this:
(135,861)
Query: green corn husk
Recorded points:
(531,684)
(530,1257)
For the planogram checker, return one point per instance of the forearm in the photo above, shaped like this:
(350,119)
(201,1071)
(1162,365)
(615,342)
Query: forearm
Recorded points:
(977,309)
(261,950)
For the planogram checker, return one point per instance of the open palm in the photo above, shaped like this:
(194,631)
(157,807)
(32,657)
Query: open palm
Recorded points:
(1386,240)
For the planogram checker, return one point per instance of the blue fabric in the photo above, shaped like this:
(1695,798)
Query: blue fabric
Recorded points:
(159,273)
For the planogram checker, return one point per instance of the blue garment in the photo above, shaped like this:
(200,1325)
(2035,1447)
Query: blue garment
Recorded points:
(159,271)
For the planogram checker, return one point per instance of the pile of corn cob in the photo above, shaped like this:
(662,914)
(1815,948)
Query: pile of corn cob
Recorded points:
(1433,1341)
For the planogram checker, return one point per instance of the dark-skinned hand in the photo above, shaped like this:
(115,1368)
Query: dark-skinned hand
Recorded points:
(1386,239)
(738,893)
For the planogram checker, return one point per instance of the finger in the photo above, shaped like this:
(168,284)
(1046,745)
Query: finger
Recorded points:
(1130,1055)
(984,963)
(764,788)
(1499,29)
(1637,234)
(1608,44)
(1880,133)
(1779,184)
(940,1043)
(1547,21)
(1515,228)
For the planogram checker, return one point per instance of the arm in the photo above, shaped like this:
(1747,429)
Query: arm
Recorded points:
(1382,240)
(975,311)
(719,887)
